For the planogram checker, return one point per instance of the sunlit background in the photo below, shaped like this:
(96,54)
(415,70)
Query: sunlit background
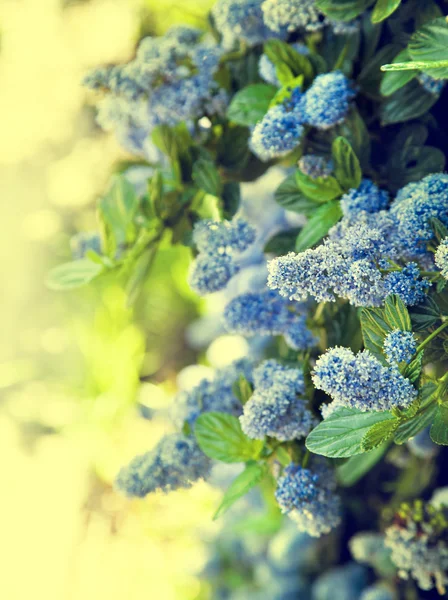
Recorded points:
(78,370)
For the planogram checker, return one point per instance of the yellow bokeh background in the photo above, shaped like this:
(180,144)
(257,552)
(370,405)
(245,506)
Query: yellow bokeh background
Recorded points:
(70,363)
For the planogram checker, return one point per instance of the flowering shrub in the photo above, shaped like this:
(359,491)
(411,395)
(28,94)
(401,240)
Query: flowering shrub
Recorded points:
(339,411)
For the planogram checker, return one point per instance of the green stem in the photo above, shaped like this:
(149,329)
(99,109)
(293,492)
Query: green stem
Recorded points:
(432,336)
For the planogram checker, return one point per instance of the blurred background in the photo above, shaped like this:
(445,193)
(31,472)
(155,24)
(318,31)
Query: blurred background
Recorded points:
(81,373)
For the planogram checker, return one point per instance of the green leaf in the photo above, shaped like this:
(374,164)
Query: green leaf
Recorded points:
(320,189)
(413,370)
(343,10)
(425,315)
(383,9)
(231,198)
(374,330)
(356,133)
(290,197)
(282,243)
(409,102)
(396,314)
(357,466)
(288,62)
(285,92)
(341,434)
(317,227)
(206,176)
(394,80)
(439,429)
(429,43)
(440,230)
(242,389)
(371,76)
(249,478)
(117,210)
(220,436)
(347,169)
(423,417)
(249,105)
(73,274)
(379,433)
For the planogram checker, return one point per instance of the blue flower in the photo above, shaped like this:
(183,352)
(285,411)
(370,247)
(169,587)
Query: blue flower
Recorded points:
(407,284)
(275,409)
(308,497)
(417,540)
(267,313)
(361,381)
(315,166)
(367,197)
(176,462)
(400,346)
(218,242)
(241,20)
(413,208)
(277,134)
(214,394)
(292,14)
(441,257)
(431,85)
(82,242)
(327,101)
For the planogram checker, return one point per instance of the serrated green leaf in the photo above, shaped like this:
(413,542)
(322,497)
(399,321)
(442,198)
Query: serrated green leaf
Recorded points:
(220,436)
(320,189)
(440,230)
(425,314)
(423,417)
(357,466)
(378,434)
(340,435)
(439,429)
(290,197)
(249,105)
(430,43)
(73,274)
(206,176)
(347,169)
(396,313)
(393,80)
(374,330)
(317,227)
(243,483)
(409,102)
(413,370)
(383,9)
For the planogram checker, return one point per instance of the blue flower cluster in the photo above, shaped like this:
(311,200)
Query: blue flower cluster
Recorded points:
(431,85)
(367,197)
(278,133)
(241,20)
(413,208)
(82,242)
(275,408)
(418,545)
(292,14)
(360,381)
(218,242)
(327,101)
(441,257)
(214,394)
(323,105)
(267,313)
(170,80)
(176,462)
(315,166)
(400,346)
(308,497)
(348,263)
(408,284)
(378,591)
